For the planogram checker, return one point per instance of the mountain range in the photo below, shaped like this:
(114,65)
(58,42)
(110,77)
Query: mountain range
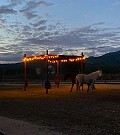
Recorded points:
(108,63)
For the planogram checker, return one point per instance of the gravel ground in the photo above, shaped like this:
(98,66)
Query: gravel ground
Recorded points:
(70,113)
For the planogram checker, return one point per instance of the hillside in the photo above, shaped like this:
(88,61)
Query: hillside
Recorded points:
(109,63)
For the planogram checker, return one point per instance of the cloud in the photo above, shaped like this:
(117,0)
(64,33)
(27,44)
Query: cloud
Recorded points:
(7,10)
(36,41)
(41,28)
(30,15)
(38,23)
(101,50)
(115,3)
(78,37)
(13,57)
(31,5)
(57,50)
(89,36)
(99,23)
(26,28)
(33,28)
(16,2)
(14,53)
(48,15)
(91,53)
(94,40)
(106,49)
(2,22)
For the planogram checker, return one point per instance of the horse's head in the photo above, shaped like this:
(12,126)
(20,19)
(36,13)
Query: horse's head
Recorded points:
(100,72)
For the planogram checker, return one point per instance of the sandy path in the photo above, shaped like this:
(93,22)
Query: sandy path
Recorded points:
(17,127)
(86,113)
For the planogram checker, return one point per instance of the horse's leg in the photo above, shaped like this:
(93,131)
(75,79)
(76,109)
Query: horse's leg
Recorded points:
(82,86)
(79,84)
(72,86)
(76,84)
(88,87)
(92,85)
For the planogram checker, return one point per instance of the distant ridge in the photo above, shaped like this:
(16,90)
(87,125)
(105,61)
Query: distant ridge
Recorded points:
(109,63)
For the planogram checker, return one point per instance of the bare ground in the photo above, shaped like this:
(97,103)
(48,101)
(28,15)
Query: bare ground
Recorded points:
(70,113)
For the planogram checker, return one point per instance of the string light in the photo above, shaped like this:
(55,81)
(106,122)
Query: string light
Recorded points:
(52,58)
(63,60)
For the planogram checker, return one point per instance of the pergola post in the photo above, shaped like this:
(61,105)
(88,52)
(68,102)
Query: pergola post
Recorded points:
(47,83)
(25,77)
(81,63)
(58,74)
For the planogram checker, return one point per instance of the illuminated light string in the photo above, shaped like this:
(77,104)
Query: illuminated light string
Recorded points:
(52,58)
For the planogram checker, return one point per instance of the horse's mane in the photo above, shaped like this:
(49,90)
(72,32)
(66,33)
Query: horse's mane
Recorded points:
(93,73)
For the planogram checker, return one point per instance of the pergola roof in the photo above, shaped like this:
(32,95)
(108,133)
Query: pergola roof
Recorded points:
(55,58)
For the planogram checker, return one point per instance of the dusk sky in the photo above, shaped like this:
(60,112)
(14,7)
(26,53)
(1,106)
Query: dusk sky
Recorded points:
(61,26)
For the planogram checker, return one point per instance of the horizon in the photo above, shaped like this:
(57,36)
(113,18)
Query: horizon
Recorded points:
(63,27)
(58,54)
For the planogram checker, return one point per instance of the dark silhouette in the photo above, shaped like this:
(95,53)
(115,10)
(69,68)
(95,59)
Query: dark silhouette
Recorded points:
(70,76)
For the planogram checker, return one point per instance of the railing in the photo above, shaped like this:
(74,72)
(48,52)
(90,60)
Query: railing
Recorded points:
(34,79)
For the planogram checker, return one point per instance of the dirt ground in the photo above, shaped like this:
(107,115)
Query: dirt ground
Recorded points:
(69,113)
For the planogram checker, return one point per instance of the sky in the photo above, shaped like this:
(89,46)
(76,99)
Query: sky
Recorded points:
(67,27)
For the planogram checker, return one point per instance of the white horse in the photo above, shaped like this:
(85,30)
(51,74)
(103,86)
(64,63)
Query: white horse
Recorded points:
(87,79)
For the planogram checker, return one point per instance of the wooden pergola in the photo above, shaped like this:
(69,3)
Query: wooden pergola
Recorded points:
(52,59)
